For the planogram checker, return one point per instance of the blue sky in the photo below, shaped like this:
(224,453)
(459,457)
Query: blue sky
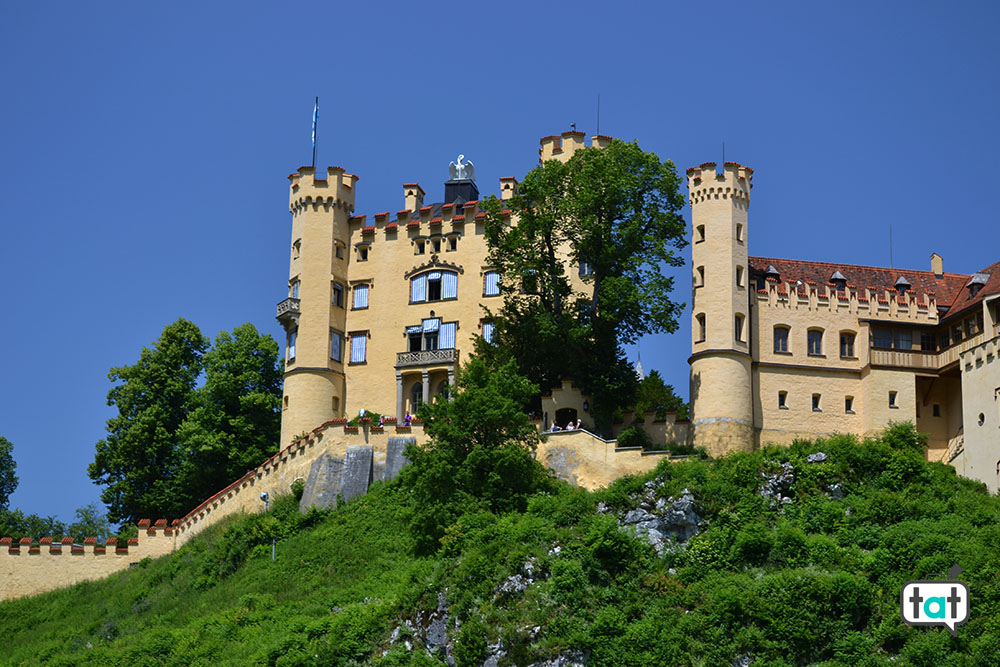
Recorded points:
(144,150)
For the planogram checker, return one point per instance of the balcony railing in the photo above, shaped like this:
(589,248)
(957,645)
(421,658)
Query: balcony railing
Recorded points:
(426,357)
(905,359)
(288,310)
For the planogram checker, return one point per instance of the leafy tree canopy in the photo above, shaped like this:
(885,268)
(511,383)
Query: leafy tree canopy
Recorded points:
(173,442)
(611,217)
(480,454)
(8,466)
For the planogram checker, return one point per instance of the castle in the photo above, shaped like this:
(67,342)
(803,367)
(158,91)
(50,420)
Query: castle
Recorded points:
(780,349)
(785,349)
(380,312)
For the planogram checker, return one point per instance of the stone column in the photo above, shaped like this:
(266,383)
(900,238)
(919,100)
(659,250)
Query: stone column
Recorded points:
(426,377)
(399,397)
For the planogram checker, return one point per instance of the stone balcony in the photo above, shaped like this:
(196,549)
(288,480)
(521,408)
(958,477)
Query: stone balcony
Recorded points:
(288,312)
(426,358)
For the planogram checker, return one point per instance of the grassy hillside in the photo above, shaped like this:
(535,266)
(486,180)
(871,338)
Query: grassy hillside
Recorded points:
(800,564)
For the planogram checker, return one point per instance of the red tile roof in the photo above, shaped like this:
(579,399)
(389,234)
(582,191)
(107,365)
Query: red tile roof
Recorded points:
(949,289)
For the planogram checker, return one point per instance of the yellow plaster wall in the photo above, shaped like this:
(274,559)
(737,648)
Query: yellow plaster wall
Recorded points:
(28,570)
(584,459)
(980,457)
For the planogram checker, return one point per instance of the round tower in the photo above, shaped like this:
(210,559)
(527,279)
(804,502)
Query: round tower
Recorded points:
(721,381)
(314,315)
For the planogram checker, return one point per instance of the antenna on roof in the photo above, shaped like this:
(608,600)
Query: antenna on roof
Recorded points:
(598,113)
(890,246)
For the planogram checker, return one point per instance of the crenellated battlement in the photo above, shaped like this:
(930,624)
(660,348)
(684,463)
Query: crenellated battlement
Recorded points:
(705,183)
(561,147)
(306,191)
(423,222)
(866,302)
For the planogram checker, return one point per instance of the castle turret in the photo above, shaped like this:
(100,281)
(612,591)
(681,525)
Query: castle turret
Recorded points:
(314,314)
(721,383)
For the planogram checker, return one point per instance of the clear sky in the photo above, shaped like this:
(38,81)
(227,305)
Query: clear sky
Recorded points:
(144,149)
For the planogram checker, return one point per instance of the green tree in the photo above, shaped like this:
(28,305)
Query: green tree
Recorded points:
(139,460)
(236,421)
(654,395)
(174,443)
(8,467)
(480,456)
(90,521)
(615,214)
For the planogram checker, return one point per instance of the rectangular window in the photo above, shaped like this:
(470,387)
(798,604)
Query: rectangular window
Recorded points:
(338,295)
(418,289)
(739,276)
(359,346)
(488,332)
(449,285)
(816,407)
(360,296)
(701,328)
(436,243)
(586,269)
(849,405)
(339,250)
(892,400)
(815,343)
(928,343)
(446,339)
(882,338)
(336,346)
(902,340)
(738,328)
(739,233)
(780,339)
(453,243)
(418,248)
(363,253)
(295,290)
(782,400)
(937,410)
(291,344)
(846,345)
(491,283)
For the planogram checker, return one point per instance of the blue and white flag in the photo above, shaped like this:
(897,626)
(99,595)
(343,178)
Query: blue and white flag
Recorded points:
(315,118)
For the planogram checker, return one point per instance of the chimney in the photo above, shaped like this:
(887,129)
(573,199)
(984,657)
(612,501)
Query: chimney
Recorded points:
(937,265)
(413,196)
(508,187)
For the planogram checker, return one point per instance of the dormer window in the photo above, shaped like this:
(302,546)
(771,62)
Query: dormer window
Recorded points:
(902,284)
(839,281)
(977,283)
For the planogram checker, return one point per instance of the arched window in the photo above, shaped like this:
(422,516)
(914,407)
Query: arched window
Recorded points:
(700,323)
(847,344)
(434,286)
(738,327)
(781,339)
(815,342)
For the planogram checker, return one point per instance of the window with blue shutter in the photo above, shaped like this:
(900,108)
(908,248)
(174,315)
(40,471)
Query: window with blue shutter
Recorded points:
(446,339)
(359,343)
(360,296)
(488,332)
(492,283)
(418,289)
(449,285)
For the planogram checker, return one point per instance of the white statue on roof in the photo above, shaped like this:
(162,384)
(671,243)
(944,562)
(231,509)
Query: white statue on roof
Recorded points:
(462,172)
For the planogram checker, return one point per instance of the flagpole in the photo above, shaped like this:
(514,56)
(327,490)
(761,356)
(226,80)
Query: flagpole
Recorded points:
(315,122)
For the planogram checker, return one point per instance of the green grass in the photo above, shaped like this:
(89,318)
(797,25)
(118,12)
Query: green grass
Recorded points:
(805,583)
